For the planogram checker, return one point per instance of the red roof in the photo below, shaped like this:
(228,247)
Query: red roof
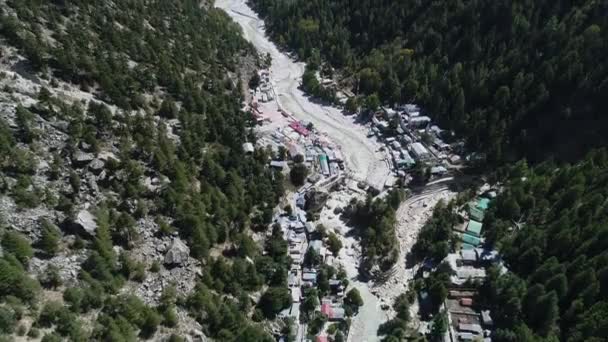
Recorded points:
(322,339)
(299,128)
(326,309)
(466,301)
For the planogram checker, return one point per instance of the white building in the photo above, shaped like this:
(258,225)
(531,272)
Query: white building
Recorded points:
(420,152)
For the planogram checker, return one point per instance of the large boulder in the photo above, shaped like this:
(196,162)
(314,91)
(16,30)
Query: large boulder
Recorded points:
(85,222)
(81,159)
(177,254)
(96,166)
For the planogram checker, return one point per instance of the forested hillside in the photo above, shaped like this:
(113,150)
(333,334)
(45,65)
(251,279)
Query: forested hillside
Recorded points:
(121,136)
(516,78)
(552,227)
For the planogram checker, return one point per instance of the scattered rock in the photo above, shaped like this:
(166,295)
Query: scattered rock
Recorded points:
(178,253)
(85,146)
(81,159)
(198,335)
(96,166)
(85,221)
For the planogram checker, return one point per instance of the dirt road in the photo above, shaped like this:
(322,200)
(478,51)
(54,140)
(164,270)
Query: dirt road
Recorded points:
(362,157)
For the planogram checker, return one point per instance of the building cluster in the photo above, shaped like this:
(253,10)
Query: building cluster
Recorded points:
(467,320)
(412,138)
(265,92)
(299,140)
(301,236)
(474,213)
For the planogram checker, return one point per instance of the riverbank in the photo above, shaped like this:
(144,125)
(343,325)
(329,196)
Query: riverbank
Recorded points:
(365,160)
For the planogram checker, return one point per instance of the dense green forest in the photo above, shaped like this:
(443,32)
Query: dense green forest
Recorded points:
(551,225)
(375,222)
(151,62)
(515,78)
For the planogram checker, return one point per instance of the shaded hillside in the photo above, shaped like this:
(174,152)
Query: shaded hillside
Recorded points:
(558,252)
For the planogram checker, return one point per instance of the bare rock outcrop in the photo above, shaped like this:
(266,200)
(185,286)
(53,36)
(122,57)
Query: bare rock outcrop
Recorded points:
(178,253)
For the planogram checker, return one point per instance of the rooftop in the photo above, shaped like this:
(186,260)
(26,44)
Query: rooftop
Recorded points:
(419,149)
(474,228)
(471,240)
(468,255)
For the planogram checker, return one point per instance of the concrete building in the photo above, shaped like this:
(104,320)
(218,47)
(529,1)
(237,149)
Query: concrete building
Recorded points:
(419,151)
(418,121)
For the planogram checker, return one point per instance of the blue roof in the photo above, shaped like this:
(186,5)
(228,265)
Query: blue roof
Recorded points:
(470,239)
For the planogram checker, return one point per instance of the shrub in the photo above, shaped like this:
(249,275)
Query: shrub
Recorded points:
(33,333)
(16,244)
(7,320)
(49,239)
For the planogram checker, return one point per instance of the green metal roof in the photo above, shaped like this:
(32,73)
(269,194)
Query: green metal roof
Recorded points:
(470,239)
(474,228)
(476,213)
(483,203)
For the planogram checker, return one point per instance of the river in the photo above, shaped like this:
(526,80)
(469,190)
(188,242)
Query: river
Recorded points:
(364,161)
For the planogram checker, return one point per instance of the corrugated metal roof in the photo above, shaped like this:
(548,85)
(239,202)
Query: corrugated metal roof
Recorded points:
(470,239)
(474,228)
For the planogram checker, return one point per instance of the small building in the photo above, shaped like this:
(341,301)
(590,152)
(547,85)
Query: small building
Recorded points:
(455,159)
(468,257)
(336,286)
(466,301)
(419,121)
(472,328)
(409,161)
(248,148)
(478,208)
(338,156)
(310,228)
(471,240)
(438,170)
(460,294)
(420,152)
(324,165)
(411,108)
(295,150)
(486,319)
(322,338)
(476,214)
(389,112)
(470,273)
(474,228)
(298,127)
(277,164)
(440,145)
(465,336)
(301,202)
(309,276)
(333,313)
(296,294)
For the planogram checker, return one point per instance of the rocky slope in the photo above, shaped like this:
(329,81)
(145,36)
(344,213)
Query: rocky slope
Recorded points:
(121,167)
